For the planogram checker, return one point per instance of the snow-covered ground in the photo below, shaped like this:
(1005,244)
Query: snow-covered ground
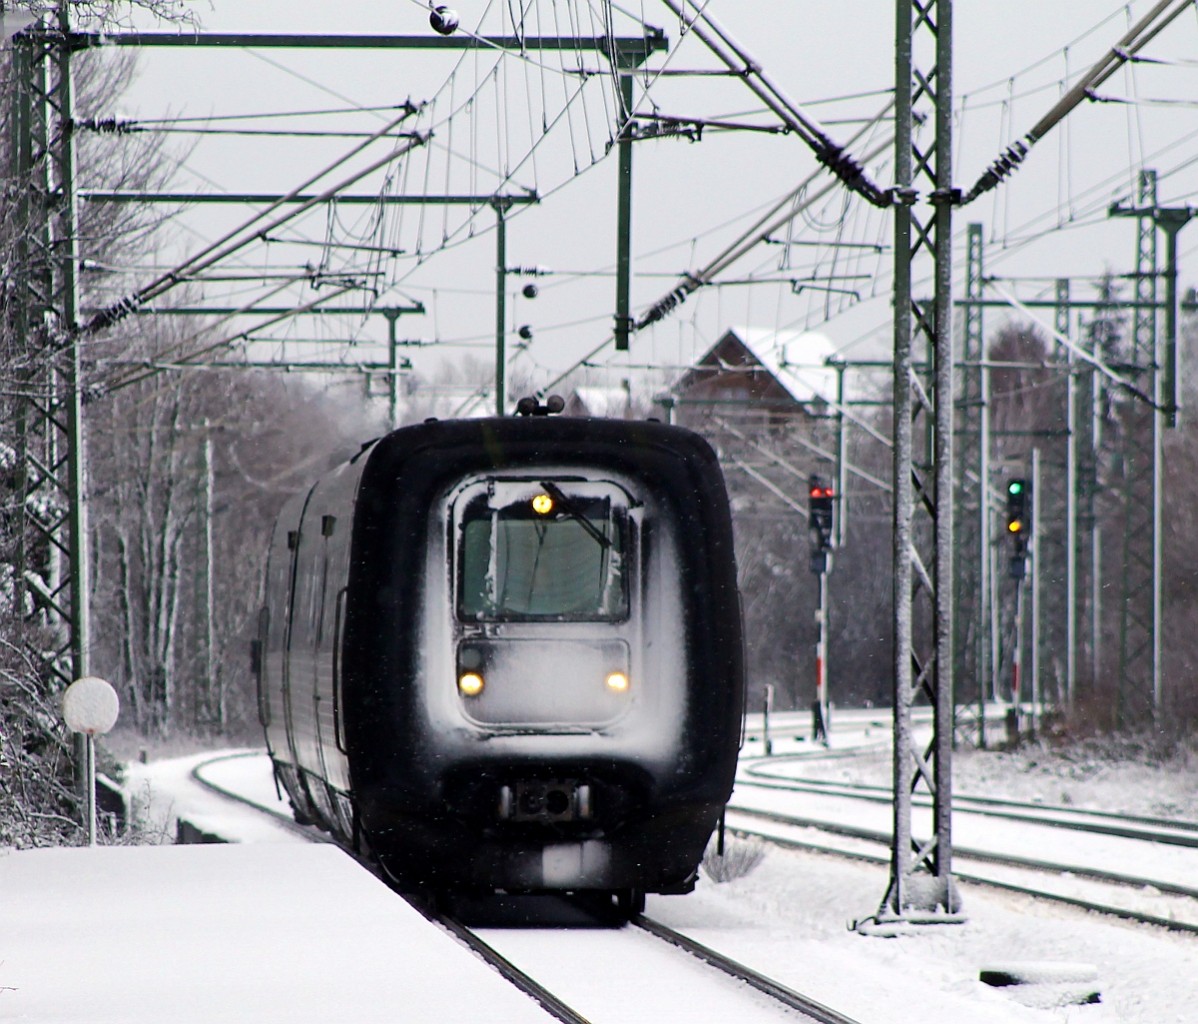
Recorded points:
(1089,775)
(788,917)
(1165,875)
(144,935)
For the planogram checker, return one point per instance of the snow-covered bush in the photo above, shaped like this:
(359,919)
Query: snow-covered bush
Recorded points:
(739,858)
(38,802)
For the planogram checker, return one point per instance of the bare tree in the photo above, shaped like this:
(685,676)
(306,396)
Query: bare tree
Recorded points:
(1028,394)
(109,14)
(256,440)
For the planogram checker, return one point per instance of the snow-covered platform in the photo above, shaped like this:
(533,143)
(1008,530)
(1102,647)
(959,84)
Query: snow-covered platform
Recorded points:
(271,932)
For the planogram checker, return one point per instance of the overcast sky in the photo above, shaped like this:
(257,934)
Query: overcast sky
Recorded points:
(690,198)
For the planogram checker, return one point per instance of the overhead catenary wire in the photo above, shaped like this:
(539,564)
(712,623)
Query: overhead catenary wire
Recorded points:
(446,235)
(1001,83)
(833,156)
(484,211)
(313,83)
(781,213)
(1065,214)
(149,122)
(1093,207)
(449,237)
(115,383)
(773,456)
(278,133)
(250,230)
(1078,351)
(571,101)
(1143,32)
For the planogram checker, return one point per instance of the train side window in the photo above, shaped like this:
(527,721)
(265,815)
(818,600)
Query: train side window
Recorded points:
(338,628)
(320,598)
(258,656)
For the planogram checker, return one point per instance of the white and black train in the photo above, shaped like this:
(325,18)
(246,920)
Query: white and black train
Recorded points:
(505,654)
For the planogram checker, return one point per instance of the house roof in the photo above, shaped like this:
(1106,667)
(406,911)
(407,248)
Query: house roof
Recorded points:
(594,401)
(795,360)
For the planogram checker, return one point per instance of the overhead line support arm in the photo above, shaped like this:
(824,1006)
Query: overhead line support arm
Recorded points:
(653,40)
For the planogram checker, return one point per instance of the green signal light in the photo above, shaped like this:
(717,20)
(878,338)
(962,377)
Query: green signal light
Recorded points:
(1015,487)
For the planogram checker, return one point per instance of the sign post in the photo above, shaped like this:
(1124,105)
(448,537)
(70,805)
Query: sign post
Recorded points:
(90,706)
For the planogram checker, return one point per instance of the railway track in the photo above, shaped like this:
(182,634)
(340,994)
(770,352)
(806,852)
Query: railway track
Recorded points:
(204,775)
(525,982)
(804,1004)
(882,838)
(1027,876)
(619,945)
(764,775)
(562,976)
(1113,893)
(751,995)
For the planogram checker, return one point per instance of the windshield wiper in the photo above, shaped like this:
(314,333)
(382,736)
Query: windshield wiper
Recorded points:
(575,513)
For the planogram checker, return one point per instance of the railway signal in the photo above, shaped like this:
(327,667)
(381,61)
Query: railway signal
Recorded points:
(821,500)
(1019,521)
(1019,509)
(1020,525)
(821,504)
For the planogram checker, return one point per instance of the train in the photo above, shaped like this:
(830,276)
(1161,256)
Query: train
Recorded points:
(505,655)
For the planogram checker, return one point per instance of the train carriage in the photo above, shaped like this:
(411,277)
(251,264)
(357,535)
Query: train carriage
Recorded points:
(506,654)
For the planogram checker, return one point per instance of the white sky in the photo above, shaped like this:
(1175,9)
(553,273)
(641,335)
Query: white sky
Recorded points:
(691,199)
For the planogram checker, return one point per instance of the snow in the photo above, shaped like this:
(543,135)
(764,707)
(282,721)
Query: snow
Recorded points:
(219,933)
(163,792)
(791,919)
(1174,865)
(796,359)
(1085,775)
(653,978)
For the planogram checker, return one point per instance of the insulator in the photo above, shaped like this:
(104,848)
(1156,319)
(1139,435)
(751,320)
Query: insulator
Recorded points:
(444,20)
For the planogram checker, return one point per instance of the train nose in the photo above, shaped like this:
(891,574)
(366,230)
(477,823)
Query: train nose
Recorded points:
(545,801)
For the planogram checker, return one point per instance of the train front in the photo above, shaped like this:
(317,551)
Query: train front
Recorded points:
(566,709)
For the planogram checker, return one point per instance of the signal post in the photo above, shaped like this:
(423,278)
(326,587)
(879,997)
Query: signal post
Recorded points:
(1020,521)
(820,525)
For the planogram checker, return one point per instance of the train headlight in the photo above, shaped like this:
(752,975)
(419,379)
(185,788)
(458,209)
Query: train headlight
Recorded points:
(470,684)
(542,504)
(617,682)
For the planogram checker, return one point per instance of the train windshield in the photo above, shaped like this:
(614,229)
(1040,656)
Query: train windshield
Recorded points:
(542,552)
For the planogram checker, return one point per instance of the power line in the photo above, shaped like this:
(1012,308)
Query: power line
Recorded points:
(1139,36)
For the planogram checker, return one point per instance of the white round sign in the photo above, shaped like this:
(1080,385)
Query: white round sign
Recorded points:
(90,706)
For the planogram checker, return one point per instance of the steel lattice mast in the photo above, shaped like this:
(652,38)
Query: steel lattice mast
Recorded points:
(972,647)
(51,423)
(921,885)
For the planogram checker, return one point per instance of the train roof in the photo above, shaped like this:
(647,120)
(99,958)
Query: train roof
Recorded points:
(508,442)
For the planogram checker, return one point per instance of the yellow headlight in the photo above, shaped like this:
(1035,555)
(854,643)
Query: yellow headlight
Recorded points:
(470,684)
(617,682)
(542,504)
